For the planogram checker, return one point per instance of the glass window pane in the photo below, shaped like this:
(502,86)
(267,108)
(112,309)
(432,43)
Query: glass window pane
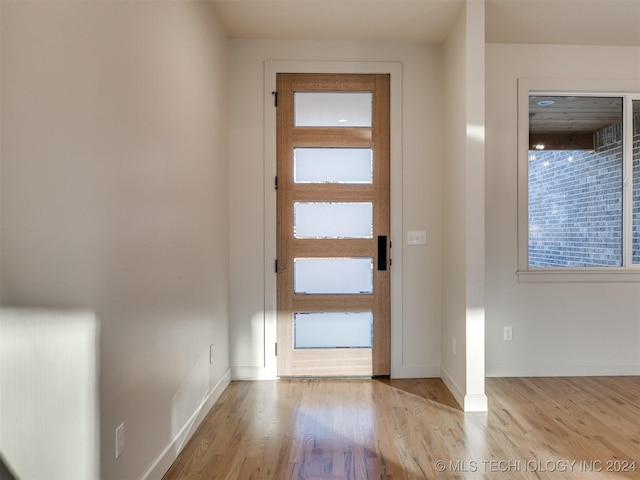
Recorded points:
(333,109)
(635,242)
(575,181)
(333,220)
(333,165)
(333,275)
(333,330)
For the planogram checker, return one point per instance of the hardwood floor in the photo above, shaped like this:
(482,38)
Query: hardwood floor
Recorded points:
(537,428)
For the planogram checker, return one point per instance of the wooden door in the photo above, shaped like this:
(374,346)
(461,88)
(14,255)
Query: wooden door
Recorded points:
(333,225)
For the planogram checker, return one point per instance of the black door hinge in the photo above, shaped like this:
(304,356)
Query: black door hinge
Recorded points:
(276,265)
(276,183)
(275,98)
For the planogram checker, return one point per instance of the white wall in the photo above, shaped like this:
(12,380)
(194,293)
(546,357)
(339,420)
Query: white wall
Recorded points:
(463,209)
(558,328)
(418,176)
(49,391)
(114,199)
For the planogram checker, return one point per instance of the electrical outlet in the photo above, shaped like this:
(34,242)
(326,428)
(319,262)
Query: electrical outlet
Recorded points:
(119,440)
(508,333)
(211,354)
(453,344)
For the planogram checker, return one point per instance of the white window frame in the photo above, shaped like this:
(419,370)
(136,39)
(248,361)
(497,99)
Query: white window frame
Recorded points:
(629,90)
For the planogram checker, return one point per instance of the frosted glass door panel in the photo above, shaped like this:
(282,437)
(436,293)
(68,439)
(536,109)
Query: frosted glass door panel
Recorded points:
(333,165)
(333,275)
(333,109)
(635,239)
(333,220)
(333,330)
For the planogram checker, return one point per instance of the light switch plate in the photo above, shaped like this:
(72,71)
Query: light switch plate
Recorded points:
(119,440)
(508,333)
(416,237)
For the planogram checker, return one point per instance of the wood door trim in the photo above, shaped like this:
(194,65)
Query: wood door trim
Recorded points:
(381,137)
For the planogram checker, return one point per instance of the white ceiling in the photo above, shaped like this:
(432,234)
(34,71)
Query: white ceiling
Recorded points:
(577,22)
(564,22)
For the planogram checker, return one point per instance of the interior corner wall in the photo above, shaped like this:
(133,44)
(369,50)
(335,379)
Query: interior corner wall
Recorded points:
(454,211)
(418,172)
(560,328)
(475,398)
(114,199)
(463,209)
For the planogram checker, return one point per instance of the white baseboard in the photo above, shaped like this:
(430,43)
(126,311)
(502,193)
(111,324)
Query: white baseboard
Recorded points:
(411,371)
(160,466)
(468,402)
(476,402)
(252,373)
(510,370)
(416,371)
(453,387)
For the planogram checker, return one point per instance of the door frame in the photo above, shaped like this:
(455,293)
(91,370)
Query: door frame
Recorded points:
(271,68)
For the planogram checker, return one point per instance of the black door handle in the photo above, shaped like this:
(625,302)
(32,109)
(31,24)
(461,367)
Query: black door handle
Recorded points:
(382,252)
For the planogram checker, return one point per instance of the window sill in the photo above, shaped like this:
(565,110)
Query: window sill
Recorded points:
(608,275)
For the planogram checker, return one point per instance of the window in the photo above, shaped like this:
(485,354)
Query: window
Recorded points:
(575,181)
(579,183)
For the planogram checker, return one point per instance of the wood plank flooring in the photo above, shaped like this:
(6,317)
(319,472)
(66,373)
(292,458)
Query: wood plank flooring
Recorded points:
(537,428)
